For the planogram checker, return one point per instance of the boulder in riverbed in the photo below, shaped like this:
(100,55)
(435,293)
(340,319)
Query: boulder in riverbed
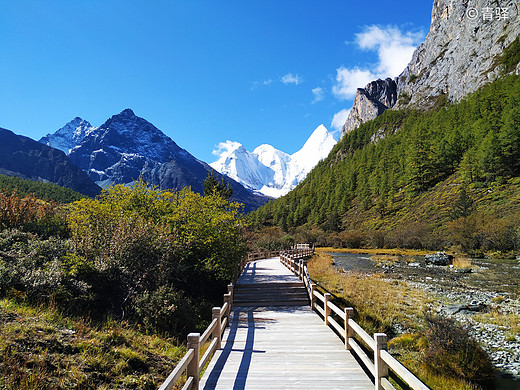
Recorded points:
(439,258)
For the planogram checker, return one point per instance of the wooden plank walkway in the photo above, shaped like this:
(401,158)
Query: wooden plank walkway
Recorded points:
(280,347)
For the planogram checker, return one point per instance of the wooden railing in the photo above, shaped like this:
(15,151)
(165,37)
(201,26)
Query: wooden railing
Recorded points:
(379,362)
(192,364)
(259,255)
(251,256)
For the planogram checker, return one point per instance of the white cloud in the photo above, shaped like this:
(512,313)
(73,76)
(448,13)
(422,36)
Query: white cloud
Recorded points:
(319,94)
(256,84)
(349,80)
(394,48)
(224,149)
(394,51)
(339,119)
(290,78)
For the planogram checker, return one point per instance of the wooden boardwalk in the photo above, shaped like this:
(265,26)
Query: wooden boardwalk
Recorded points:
(283,345)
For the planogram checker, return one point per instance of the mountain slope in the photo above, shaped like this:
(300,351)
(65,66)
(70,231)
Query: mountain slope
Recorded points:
(458,56)
(25,158)
(409,168)
(269,170)
(127,147)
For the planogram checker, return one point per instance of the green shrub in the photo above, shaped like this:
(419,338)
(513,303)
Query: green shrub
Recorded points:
(141,241)
(127,249)
(165,309)
(452,352)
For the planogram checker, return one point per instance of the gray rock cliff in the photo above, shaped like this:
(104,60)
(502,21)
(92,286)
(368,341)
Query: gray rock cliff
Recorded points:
(371,102)
(458,56)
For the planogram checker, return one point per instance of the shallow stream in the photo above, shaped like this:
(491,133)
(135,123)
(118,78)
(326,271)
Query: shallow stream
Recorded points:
(481,281)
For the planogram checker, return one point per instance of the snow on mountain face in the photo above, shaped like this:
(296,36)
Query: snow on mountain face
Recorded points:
(236,162)
(69,135)
(125,147)
(269,170)
(277,161)
(317,147)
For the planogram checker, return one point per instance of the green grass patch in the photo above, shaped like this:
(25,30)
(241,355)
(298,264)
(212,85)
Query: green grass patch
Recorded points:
(42,349)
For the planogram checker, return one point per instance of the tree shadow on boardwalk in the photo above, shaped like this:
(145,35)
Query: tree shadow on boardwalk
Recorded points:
(243,317)
(255,272)
(248,351)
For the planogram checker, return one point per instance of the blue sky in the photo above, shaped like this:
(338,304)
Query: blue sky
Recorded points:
(202,71)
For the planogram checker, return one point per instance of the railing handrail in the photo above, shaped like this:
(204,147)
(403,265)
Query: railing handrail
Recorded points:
(191,363)
(381,360)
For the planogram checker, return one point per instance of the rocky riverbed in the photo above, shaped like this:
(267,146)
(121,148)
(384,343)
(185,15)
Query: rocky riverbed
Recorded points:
(465,305)
(483,295)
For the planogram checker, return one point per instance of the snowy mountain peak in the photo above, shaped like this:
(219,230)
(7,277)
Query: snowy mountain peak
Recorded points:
(226,149)
(239,164)
(316,148)
(127,147)
(70,135)
(319,137)
(269,170)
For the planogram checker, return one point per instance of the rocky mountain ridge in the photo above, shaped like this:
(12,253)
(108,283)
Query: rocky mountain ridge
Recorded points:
(458,56)
(69,136)
(127,147)
(27,159)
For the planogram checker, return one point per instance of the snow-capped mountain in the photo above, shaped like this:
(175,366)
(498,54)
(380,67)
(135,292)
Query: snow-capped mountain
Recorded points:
(269,170)
(69,135)
(127,147)
(25,158)
(238,163)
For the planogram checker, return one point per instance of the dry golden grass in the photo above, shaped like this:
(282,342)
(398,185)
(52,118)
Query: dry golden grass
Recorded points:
(385,258)
(379,303)
(508,321)
(370,251)
(462,262)
(42,349)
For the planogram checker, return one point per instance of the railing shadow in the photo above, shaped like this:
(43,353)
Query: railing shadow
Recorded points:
(247,352)
(251,275)
(248,275)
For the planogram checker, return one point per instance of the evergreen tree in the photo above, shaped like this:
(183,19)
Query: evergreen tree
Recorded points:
(212,185)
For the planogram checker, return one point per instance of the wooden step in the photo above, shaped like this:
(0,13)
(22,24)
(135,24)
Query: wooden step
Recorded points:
(270,294)
(271,303)
(271,285)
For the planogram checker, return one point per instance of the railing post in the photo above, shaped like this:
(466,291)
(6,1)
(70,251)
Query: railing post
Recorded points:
(217,331)
(349,313)
(327,308)
(313,298)
(193,367)
(380,367)
(230,288)
(301,270)
(227,298)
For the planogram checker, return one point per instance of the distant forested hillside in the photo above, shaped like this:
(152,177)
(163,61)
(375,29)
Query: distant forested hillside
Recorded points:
(44,191)
(409,167)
